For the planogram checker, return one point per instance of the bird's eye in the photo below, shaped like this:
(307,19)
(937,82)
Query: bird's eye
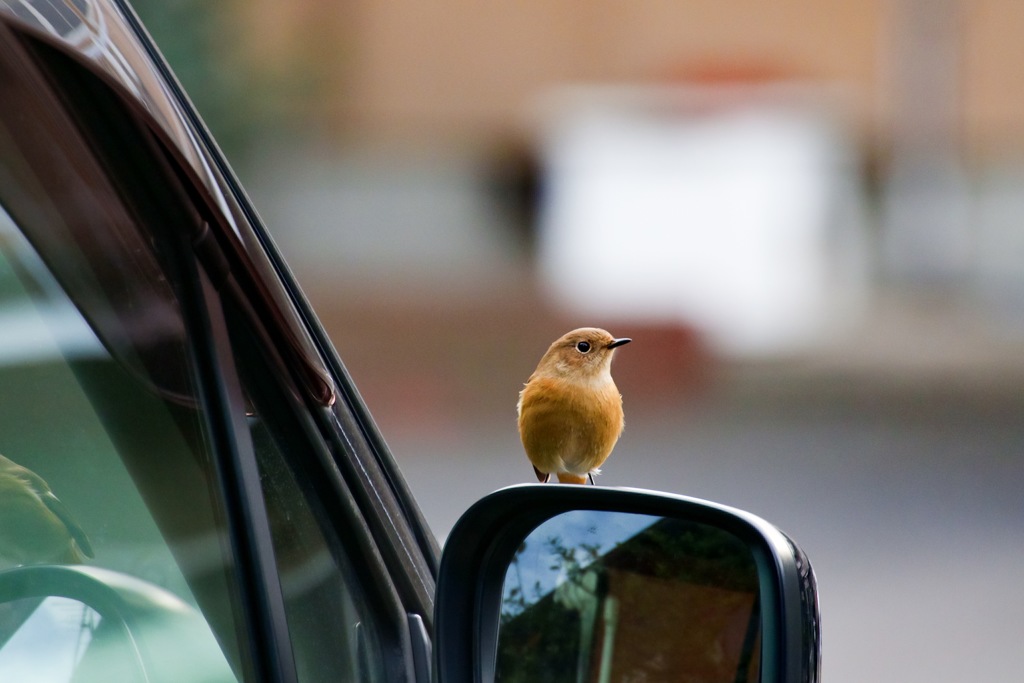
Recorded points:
(583,346)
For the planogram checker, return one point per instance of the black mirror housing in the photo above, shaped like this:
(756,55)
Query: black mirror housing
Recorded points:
(492,534)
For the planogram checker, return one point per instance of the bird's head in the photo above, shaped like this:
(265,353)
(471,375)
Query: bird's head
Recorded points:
(585,353)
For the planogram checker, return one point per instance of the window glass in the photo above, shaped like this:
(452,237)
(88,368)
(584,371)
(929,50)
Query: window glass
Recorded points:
(337,633)
(98,467)
(110,502)
(334,633)
(107,464)
(110,487)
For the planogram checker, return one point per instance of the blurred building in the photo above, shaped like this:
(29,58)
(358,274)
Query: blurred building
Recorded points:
(417,72)
(423,140)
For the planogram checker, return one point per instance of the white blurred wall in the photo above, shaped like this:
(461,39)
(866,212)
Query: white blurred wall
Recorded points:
(735,210)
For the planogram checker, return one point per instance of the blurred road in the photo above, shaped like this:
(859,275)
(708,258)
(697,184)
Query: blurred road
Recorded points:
(903,484)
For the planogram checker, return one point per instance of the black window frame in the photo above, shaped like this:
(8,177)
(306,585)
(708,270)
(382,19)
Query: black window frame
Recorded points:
(373,474)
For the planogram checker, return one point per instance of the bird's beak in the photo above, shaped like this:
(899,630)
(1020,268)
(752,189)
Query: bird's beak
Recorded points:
(619,342)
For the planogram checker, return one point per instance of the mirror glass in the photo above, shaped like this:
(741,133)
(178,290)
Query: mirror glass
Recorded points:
(606,596)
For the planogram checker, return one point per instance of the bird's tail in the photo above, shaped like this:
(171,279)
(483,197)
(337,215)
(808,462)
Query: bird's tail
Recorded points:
(79,544)
(567,478)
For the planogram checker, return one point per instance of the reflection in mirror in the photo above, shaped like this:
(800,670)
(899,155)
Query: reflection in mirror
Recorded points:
(61,640)
(606,596)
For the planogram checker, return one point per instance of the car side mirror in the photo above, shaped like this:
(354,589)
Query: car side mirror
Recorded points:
(561,583)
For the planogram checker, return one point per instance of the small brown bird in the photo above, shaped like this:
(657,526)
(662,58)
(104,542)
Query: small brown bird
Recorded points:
(35,527)
(570,411)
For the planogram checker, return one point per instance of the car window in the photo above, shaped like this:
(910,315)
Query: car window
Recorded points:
(98,468)
(110,430)
(335,629)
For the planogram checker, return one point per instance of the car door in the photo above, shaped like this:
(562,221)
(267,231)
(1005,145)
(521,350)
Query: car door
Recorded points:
(216,503)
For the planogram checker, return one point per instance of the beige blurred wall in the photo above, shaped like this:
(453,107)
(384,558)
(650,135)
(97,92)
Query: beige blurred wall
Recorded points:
(993,79)
(451,66)
(470,70)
